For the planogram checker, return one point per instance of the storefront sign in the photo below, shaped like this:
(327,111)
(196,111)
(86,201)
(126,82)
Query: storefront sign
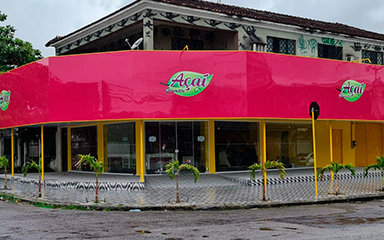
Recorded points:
(152,139)
(5,97)
(351,90)
(188,84)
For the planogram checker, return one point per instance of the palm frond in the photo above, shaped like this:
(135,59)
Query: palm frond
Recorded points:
(30,165)
(278,165)
(253,168)
(170,168)
(374,166)
(349,167)
(94,164)
(192,169)
(335,168)
(4,162)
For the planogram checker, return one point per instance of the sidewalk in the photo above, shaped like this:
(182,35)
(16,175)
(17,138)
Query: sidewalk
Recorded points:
(212,191)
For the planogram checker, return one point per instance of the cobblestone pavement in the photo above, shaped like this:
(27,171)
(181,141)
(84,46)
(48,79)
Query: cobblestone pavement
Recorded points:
(210,190)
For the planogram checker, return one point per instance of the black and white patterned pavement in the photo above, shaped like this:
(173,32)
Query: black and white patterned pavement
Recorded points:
(211,189)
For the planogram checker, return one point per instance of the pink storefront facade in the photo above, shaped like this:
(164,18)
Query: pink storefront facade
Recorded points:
(208,108)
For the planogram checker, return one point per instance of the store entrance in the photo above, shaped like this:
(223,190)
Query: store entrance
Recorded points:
(184,141)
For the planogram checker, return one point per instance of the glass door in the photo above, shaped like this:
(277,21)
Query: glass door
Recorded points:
(185,141)
(83,141)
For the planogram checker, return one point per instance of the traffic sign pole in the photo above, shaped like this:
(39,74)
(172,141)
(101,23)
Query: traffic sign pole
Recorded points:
(314,149)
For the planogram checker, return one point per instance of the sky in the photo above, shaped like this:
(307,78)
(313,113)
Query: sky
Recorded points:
(38,21)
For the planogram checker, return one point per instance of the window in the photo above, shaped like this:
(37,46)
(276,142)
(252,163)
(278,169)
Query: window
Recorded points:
(236,145)
(280,45)
(330,52)
(120,147)
(290,143)
(375,57)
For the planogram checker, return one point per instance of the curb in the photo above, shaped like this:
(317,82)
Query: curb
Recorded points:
(195,207)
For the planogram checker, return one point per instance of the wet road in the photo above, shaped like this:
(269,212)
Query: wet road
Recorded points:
(362,220)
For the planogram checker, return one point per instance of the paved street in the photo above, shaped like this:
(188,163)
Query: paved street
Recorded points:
(361,220)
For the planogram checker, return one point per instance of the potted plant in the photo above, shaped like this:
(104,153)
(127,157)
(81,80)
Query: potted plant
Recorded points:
(173,169)
(335,168)
(95,165)
(263,169)
(30,165)
(4,164)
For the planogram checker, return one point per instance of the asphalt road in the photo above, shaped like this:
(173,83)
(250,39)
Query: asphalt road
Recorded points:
(362,220)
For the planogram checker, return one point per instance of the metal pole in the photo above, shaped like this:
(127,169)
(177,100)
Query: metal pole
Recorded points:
(314,149)
(13,153)
(42,152)
(331,145)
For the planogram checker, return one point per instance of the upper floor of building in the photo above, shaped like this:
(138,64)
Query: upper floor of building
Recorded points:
(202,25)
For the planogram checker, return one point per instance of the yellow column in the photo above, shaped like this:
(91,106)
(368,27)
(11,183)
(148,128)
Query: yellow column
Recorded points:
(140,163)
(264,147)
(12,153)
(330,145)
(211,141)
(204,132)
(314,150)
(100,143)
(69,160)
(42,152)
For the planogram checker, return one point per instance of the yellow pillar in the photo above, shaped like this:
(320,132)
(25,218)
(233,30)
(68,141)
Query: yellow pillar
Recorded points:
(42,152)
(314,150)
(140,163)
(330,145)
(69,160)
(12,153)
(211,140)
(263,128)
(100,143)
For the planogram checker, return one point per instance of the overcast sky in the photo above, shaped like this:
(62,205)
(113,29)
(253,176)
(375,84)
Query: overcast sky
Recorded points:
(38,21)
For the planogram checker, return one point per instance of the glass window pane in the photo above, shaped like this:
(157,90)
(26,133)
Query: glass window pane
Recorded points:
(236,145)
(290,143)
(121,147)
(83,141)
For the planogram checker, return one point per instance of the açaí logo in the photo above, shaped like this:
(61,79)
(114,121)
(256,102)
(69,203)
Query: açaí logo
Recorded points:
(351,90)
(5,96)
(188,84)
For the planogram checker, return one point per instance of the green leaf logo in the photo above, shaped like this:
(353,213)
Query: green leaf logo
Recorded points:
(5,96)
(188,84)
(351,90)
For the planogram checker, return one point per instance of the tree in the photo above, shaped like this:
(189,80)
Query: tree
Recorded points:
(4,164)
(335,168)
(14,52)
(95,165)
(377,166)
(173,169)
(263,169)
(30,165)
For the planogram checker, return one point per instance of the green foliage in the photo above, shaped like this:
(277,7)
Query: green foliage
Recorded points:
(14,52)
(173,168)
(268,164)
(95,165)
(31,165)
(335,168)
(376,166)
(379,165)
(4,162)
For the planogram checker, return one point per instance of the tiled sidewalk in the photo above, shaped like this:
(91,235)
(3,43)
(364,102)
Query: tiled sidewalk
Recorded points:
(210,190)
